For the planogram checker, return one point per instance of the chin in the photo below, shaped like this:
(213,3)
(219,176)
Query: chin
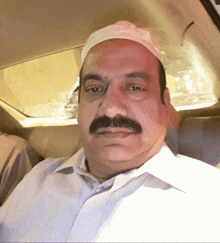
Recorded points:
(117,153)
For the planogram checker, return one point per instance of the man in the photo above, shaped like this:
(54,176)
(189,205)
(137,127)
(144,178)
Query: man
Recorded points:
(125,184)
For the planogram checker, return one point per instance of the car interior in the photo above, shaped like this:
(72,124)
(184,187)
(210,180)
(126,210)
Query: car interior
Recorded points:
(40,46)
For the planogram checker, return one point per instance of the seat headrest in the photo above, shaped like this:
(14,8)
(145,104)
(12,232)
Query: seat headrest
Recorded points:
(55,142)
(199,138)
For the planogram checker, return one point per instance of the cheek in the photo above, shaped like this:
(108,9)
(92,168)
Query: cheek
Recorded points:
(150,115)
(86,115)
(145,112)
(83,117)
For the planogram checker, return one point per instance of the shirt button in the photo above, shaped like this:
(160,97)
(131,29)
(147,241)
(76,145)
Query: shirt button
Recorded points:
(99,189)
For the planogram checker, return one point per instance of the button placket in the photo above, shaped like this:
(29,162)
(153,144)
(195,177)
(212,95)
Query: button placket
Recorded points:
(89,218)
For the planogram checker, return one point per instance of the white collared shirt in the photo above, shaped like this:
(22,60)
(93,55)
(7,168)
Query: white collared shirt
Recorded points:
(168,198)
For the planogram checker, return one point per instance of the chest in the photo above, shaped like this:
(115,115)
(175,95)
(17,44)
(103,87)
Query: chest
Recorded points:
(134,212)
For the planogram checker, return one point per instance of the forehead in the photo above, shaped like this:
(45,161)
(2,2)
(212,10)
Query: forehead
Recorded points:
(120,52)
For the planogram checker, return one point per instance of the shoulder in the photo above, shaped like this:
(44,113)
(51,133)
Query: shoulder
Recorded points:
(46,167)
(195,164)
(36,177)
(29,187)
(198,174)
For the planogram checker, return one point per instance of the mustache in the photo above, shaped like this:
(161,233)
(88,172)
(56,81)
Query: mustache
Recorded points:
(105,122)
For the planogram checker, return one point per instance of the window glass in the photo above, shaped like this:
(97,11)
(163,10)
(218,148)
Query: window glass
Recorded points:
(40,87)
(188,90)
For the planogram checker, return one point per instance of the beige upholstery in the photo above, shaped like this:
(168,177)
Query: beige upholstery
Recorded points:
(199,137)
(55,142)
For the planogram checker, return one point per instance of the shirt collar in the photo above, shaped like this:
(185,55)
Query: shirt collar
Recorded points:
(76,161)
(163,165)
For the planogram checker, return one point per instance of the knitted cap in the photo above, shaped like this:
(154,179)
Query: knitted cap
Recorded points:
(123,30)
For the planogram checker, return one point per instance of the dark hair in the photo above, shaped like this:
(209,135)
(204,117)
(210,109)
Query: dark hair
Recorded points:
(162,79)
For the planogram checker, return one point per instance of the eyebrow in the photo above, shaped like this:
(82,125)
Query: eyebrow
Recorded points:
(138,75)
(92,76)
(129,75)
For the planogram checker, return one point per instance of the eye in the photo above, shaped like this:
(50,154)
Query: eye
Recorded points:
(94,90)
(135,88)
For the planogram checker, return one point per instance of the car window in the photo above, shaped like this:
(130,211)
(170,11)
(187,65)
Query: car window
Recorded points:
(189,90)
(45,87)
(40,87)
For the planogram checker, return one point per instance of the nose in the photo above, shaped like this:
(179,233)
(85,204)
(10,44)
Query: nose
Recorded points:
(113,103)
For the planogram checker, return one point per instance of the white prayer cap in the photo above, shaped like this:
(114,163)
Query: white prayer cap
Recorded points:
(123,30)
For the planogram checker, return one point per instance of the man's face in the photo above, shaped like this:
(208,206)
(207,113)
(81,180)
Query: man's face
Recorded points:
(120,80)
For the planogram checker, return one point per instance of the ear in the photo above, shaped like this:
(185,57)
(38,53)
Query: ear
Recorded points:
(79,91)
(166,98)
(167,105)
(174,117)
